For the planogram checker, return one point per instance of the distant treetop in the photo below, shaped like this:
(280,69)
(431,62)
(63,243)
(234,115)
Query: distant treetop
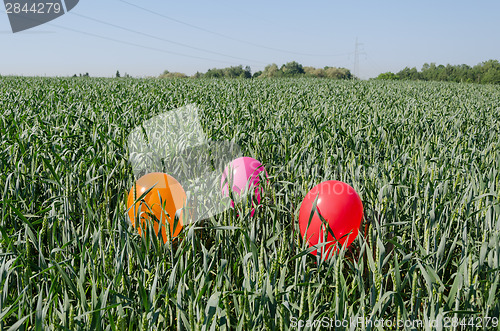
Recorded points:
(290,69)
(487,72)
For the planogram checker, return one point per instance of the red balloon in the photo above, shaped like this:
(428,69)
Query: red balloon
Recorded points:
(340,206)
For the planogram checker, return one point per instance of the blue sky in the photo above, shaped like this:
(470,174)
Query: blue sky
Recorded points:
(393,34)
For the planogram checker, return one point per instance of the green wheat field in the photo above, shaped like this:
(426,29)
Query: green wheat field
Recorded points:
(423,156)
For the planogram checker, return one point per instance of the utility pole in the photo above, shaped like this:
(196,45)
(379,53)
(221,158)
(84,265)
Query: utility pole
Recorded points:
(355,70)
(356,59)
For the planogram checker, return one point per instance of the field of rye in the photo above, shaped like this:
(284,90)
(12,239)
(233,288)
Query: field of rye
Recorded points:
(424,158)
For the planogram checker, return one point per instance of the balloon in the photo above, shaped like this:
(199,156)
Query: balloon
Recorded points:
(243,174)
(166,191)
(340,206)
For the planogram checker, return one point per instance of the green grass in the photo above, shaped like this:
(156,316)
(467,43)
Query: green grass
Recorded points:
(424,158)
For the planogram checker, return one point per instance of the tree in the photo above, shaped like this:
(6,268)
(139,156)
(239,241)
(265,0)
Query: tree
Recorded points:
(292,69)
(271,70)
(257,74)
(198,75)
(491,72)
(237,72)
(247,73)
(117,74)
(408,74)
(485,72)
(314,72)
(338,73)
(167,74)
(428,71)
(388,76)
(214,73)
(491,77)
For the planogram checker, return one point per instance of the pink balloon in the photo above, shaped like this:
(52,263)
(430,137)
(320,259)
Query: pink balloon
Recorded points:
(243,174)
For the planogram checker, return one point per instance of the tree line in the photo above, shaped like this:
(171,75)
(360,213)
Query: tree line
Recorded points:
(487,72)
(290,69)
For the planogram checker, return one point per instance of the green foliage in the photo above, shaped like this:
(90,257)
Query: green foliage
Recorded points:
(80,75)
(214,73)
(388,76)
(270,71)
(337,73)
(313,72)
(490,71)
(423,156)
(291,69)
(487,72)
(257,74)
(198,75)
(167,74)
(294,69)
(408,74)
(230,72)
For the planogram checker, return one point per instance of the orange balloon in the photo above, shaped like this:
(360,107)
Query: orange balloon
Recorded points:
(165,198)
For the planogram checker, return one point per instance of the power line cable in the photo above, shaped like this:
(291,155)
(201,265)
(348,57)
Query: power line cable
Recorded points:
(136,45)
(163,39)
(226,36)
(126,42)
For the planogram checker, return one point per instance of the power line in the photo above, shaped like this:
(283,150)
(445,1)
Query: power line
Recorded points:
(134,44)
(126,42)
(355,70)
(374,64)
(163,39)
(226,36)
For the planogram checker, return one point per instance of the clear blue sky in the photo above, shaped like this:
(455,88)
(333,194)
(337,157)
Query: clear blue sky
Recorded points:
(393,34)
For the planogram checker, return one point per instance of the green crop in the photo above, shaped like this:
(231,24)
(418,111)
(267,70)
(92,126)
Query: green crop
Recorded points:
(424,158)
